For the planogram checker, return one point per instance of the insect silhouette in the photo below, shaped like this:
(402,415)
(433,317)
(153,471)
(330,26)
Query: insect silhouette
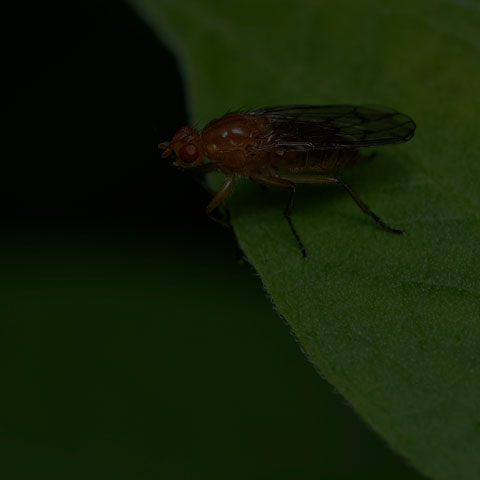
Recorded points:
(287,145)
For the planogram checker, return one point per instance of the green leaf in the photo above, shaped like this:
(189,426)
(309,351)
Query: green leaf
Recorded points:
(392,322)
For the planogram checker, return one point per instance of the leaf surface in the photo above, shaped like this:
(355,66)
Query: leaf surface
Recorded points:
(392,322)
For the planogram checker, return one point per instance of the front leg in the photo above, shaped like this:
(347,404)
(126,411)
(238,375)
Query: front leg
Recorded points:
(198,174)
(218,199)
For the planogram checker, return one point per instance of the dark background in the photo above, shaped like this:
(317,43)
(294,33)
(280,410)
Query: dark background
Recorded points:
(133,343)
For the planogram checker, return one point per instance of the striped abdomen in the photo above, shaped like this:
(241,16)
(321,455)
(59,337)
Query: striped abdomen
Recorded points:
(314,160)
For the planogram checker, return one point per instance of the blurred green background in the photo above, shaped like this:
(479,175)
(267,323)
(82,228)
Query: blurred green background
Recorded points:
(134,342)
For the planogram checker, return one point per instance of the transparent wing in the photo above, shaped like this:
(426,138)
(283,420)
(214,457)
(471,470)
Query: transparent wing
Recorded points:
(327,127)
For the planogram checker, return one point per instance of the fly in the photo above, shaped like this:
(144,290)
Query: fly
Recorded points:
(288,145)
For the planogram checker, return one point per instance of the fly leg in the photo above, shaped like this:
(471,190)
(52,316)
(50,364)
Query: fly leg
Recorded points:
(218,199)
(326,180)
(284,183)
(197,173)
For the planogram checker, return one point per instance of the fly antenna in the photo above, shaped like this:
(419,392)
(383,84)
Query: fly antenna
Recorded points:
(165,146)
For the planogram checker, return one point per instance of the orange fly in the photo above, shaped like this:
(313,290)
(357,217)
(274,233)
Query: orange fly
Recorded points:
(287,145)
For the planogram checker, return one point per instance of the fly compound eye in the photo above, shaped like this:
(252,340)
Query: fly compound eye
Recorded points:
(188,153)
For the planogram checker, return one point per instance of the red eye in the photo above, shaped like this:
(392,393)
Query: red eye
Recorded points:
(188,153)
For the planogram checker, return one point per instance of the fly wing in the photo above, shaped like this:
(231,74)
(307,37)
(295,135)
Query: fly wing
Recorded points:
(330,127)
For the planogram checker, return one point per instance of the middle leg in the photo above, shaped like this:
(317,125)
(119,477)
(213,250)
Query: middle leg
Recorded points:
(284,183)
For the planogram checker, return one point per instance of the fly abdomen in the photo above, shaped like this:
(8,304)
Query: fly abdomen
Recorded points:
(329,160)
